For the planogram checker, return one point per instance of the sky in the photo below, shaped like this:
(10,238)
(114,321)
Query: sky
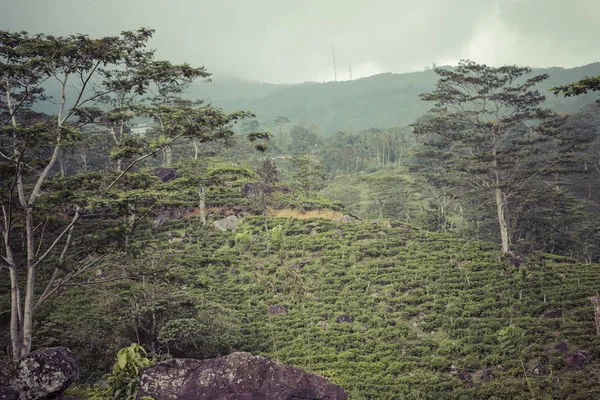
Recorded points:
(285,41)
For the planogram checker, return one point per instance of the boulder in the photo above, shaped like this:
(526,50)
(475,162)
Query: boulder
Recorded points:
(579,359)
(346,218)
(7,393)
(277,309)
(561,346)
(236,376)
(230,223)
(164,174)
(487,375)
(344,318)
(45,373)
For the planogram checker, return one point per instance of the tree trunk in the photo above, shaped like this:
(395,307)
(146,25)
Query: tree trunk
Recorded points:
(15,315)
(168,153)
(30,288)
(501,206)
(202,196)
(196,148)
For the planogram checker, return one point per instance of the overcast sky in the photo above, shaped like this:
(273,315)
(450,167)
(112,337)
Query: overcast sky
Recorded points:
(291,40)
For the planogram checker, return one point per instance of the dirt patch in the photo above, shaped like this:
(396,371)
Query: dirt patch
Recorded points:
(286,213)
(283,213)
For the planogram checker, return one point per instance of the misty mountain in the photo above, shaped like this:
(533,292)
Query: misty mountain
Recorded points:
(378,101)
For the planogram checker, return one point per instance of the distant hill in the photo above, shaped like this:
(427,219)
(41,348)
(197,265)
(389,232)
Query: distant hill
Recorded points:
(379,101)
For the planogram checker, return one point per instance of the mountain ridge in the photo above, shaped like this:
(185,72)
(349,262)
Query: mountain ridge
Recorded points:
(379,101)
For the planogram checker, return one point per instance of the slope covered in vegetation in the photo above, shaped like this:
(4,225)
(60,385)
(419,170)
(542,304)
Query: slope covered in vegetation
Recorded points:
(382,309)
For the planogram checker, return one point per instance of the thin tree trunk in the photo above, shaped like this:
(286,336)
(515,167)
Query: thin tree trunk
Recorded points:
(168,152)
(202,196)
(196,148)
(30,288)
(500,206)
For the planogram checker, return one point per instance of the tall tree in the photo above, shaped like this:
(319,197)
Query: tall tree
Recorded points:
(489,125)
(87,71)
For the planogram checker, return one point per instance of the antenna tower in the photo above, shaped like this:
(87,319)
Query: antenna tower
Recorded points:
(334,69)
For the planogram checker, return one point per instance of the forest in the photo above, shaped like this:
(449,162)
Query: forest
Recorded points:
(436,237)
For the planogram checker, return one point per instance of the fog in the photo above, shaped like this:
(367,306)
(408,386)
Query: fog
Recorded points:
(285,41)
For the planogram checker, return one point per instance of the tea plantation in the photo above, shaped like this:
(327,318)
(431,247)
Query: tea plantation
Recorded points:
(390,312)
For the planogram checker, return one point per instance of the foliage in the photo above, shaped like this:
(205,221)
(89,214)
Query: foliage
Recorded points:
(308,174)
(478,130)
(102,82)
(379,101)
(583,86)
(124,381)
(510,339)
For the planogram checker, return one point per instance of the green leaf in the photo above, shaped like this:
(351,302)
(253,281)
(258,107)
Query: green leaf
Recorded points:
(122,359)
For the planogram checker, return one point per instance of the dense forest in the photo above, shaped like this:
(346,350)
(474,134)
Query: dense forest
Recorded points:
(422,235)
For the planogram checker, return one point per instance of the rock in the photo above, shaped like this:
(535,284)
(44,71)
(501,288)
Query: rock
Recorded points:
(516,260)
(420,316)
(344,318)
(579,359)
(346,218)
(7,393)
(230,223)
(160,220)
(487,375)
(45,373)
(466,378)
(164,174)
(560,346)
(278,309)
(323,325)
(236,376)
(553,314)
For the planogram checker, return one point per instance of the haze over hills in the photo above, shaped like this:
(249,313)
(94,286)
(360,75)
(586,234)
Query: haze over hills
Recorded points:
(378,101)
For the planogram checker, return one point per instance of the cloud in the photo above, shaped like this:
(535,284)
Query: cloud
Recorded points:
(285,41)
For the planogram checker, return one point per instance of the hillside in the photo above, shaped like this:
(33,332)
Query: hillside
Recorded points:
(379,101)
(386,311)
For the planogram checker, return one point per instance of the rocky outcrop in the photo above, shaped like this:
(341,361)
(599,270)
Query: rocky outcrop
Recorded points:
(45,373)
(230,223)
(236,376)
(164,174)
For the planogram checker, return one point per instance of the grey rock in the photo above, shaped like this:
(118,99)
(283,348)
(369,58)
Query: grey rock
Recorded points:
(230,223)
(277,309)
(344,318)
(236,376)
(45,373)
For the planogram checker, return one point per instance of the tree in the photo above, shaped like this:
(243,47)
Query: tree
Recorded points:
(88,71)
(488,125)
(308,174)
(583,86)
(304,140)
(260,196)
